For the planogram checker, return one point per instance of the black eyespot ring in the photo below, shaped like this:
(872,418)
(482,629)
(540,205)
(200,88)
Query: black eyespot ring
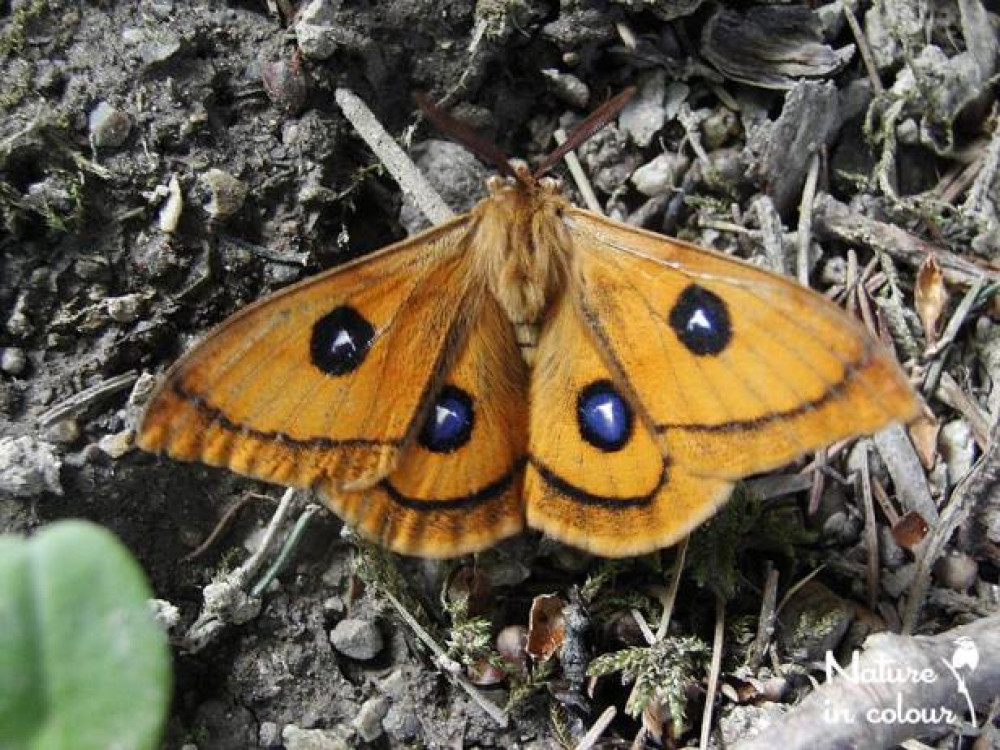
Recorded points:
(449,425)
(604,417)
(340,341)
(700,318)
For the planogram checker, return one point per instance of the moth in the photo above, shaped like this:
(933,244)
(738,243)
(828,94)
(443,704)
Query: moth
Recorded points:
(527,364)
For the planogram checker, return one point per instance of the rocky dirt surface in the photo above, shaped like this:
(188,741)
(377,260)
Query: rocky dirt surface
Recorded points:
(163,164)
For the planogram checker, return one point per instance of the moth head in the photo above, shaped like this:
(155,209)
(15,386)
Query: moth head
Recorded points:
(524,181)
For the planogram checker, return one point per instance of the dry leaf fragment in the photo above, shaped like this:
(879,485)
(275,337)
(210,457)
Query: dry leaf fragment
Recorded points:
(910,530)
(546,627)
(930,297)
(924,435)
(771,46)
(471,584)
(170,214)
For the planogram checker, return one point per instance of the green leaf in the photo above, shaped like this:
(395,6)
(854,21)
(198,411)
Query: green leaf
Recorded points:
(83,664)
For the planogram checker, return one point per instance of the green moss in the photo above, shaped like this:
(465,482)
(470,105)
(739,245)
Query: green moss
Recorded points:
(13,39)
(660,673)
(744,523)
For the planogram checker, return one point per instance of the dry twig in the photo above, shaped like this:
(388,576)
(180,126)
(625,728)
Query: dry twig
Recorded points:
(967,495)
(402,169)
(836,220)
(811,725)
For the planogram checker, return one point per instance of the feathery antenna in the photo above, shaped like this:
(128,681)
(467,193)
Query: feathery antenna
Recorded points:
(458,130)
(489,152)
(594,122)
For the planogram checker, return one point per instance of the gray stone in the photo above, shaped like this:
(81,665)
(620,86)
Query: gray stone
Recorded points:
(117,444)
(719,128)
(457,175)
(609,159)
(63,431)
(269,735)
(813,621)
(312,739)
(226,193)
(958,448)
(124,309)
(368,722)
(28,467)
(401,723)
(567,87)
(358,639)
(13,361)
(109,127)
(660,175)
(645,115)
(957,571)
(320,30)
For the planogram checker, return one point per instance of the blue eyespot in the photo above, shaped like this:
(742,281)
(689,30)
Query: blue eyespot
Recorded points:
(340,341)
(701,321)
(605,418)
(449,425)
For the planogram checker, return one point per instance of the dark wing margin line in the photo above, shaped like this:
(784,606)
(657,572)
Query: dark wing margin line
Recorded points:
(465,502)
(832,393)
(588,498)
(218,417)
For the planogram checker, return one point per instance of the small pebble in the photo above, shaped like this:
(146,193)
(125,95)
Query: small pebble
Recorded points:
(660,175)
(28,467)
(608,158)
(897,580)
(908,132)
(567,87)
(142,390)
(958,448)
(314,24)
(512,645)
(368,722)
(401,723)
(285,84)
(170,214)
(124,309)
(312,739)
(109,127)
(161,10)
(92,269)
(358,639)
(13,361)
(159,48)
(133,36)
(644,116)
(891,554)
(813,621)
(226,193)
(718,128)
(64,432)
(269,735)
(956,571)
(334,605)
(118,444)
